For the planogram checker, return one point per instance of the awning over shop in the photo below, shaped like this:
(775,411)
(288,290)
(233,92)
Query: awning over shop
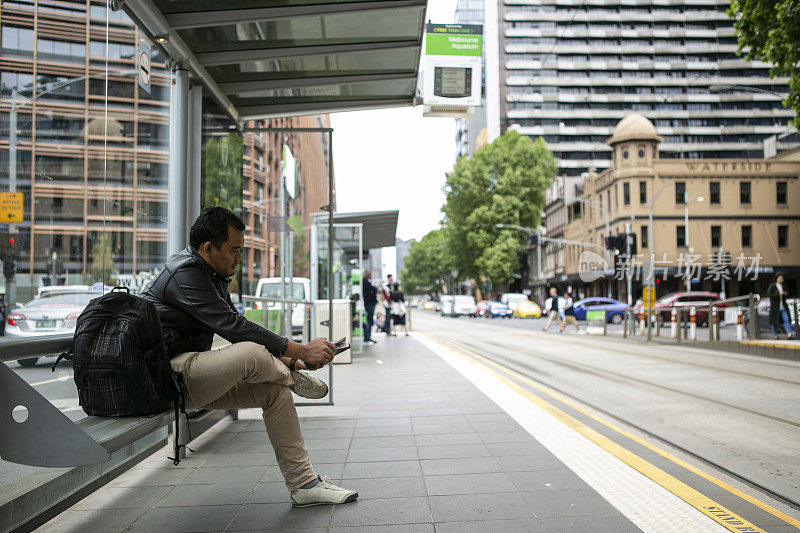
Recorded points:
(293,56)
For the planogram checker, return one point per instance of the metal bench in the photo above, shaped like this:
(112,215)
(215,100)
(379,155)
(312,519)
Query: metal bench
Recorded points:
(68,460)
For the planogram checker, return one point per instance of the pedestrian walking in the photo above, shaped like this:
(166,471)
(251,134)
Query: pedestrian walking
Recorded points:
(778,307)
(552,307)
(370,301)
(387,306)
(398,308)
(569,318)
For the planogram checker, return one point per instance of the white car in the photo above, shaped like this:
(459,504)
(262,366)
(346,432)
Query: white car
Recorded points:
(52,314)
(273,288)
(464,305)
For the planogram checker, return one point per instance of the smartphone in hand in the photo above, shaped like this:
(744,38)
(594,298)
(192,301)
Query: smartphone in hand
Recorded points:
(340,346)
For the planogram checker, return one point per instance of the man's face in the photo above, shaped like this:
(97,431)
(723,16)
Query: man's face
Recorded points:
(780,279)
(553,292)
(389,278)
(225,259)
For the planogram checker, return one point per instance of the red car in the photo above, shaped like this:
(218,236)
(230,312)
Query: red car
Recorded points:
(682,300)
(482,307)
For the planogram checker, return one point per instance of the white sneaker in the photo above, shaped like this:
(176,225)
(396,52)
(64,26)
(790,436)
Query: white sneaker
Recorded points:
(308,386)
(323,493)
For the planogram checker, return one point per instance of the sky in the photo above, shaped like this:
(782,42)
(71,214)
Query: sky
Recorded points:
(394,158)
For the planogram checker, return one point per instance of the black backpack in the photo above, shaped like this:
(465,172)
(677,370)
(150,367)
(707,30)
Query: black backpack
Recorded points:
(120,360)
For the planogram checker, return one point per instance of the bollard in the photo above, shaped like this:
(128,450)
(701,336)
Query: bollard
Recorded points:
(680,325)
(712,324)
(739,325)
(642,323)
(753,317)
(605,322)
(658,324)
(625,324)
(693,324)
(674,324)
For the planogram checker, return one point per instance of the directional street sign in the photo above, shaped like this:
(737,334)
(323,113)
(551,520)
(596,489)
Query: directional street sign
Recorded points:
(11,207)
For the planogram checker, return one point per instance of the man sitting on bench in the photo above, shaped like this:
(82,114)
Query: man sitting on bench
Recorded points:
(259,368)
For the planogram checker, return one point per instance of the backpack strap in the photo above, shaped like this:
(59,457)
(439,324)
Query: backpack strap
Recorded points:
(63,355)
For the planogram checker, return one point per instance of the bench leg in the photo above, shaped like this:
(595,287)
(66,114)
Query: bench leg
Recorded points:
(233,414)
(183,435)
(30,441)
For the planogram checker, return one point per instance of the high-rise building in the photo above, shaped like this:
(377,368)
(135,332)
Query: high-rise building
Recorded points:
(569,71)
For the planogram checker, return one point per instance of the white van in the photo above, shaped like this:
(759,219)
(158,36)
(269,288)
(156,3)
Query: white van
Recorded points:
(447,305)
(464,305)
(273,288)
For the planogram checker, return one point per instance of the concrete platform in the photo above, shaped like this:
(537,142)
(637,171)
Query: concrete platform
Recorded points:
(422,445)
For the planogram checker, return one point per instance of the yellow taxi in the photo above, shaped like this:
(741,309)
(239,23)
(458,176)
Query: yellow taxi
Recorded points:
(527,310)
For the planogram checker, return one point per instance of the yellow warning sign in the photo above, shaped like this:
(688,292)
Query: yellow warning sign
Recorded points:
(11,207)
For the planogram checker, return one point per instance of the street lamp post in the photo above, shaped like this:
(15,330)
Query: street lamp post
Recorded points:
(651,267)
(11,288)
(686,222)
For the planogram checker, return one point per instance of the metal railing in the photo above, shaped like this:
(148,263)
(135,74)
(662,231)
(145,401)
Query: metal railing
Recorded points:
(681,322)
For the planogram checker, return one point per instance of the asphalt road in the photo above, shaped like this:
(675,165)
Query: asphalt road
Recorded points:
(736,412)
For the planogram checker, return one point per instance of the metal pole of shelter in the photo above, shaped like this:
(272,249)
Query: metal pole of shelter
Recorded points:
(330,255)
(11,286)
(178,152)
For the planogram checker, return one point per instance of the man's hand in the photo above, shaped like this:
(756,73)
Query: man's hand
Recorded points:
(317,352)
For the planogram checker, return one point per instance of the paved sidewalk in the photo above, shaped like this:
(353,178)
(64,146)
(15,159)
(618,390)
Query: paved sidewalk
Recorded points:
(426,450)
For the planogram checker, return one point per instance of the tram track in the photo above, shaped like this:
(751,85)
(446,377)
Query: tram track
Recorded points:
(531,372)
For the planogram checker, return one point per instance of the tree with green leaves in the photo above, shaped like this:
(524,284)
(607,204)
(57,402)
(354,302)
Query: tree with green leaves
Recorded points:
(502,183)
(429,264)
(769,31)
(103,268)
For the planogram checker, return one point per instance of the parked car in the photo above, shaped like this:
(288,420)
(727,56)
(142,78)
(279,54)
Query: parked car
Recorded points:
(511,299)
(526,309)
(464,305)
(482,307)
(682,300)
(615,310)
(299,290)
(446,308)
(429,305)
(49,315)
(498,310)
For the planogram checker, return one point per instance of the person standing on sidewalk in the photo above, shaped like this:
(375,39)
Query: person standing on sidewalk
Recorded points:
(370,294)
(387,306)
(778,307)
(259,368)
(398,308)
(552,307)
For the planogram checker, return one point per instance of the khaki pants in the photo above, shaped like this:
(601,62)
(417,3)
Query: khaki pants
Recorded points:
(553,315)
(246,375)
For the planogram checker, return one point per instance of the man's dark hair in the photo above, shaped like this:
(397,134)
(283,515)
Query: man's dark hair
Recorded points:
(212,226)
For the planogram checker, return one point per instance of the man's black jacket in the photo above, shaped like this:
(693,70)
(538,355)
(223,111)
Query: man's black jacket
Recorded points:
(194,303)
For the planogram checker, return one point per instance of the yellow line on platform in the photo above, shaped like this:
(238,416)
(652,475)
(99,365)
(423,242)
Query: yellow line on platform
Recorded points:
(696,499)
(768,344)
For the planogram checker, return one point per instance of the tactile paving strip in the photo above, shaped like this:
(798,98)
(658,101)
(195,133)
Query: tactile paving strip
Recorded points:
(644,502)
